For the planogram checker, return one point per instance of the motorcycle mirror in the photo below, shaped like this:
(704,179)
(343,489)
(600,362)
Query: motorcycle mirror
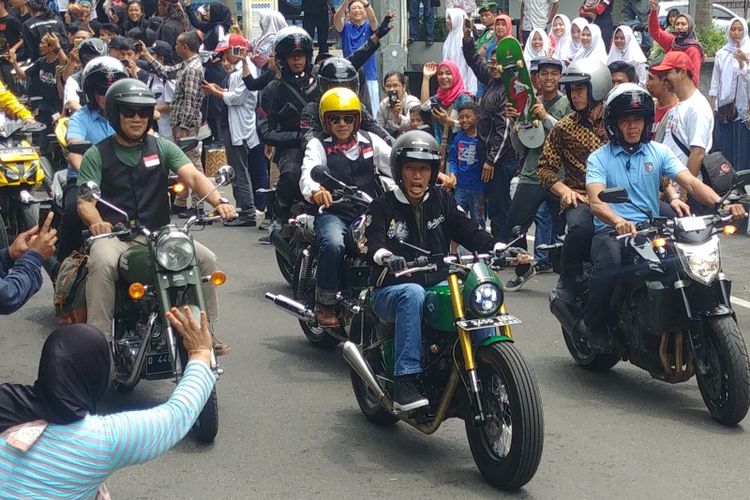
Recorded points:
(187,143)
(614,195)
(320,174)
(78,148)
(89,191)
(225,175)
(741,179)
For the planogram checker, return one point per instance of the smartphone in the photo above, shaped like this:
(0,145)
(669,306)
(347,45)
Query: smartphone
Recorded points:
(44,209)
(467,23)
(138,47)
(236,51)
(434,103)
(393,97)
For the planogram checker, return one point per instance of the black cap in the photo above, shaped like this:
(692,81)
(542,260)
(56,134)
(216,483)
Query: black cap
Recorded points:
(120,42)
(111,27)
(163,49)
(548,61)
(533,65)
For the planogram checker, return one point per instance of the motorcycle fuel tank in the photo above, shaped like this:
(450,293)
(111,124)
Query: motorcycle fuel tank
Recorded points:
(137,265)
(438,308)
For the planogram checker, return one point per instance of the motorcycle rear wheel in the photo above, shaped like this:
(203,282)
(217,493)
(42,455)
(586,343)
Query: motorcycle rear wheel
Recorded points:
(726,387)
(507,446)
(286,268)
(366,399)
(304,291)
(207,425)
(588,361)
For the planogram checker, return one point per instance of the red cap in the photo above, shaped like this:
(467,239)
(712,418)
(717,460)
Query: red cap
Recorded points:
(234,40)
(675,59)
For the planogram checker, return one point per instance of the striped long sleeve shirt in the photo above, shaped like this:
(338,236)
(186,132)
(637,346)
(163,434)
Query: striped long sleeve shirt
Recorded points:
(71,461)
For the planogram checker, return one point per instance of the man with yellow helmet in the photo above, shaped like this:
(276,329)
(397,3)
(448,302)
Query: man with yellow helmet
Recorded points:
(355,158)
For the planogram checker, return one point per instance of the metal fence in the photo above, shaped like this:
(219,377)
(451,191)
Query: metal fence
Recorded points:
(739,7)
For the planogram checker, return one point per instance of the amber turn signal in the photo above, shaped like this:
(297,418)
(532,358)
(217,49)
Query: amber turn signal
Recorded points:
(659,243)
(136,291)
(729,230)
(178,187)
(218,278)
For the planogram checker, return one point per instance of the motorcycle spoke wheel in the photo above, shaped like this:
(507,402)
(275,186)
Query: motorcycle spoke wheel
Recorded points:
(726,387)
(507,445)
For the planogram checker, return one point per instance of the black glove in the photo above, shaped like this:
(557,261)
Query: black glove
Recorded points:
(384,28)
(394,263)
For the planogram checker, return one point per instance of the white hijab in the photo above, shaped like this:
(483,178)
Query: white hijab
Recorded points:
(596,50)
(727,64)
(529,53)
(562,44)
(271,22)
(574,47)
(452,48)
(631,53)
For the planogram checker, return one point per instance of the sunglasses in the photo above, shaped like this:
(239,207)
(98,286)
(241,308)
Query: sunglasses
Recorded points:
(348,119)
(141,112)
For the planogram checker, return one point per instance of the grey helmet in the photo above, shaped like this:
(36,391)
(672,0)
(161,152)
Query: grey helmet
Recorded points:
(415,145)
(595,74)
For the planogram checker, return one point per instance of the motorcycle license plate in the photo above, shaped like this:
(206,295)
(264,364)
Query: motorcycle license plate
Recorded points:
(477,324)
(158,363)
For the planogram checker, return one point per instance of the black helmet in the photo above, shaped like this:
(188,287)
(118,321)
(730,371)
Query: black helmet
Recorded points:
(628,99)
(415,145)
(99,74)
(127,93)
(337,72)
(91,48)
(595,74)
(288,41)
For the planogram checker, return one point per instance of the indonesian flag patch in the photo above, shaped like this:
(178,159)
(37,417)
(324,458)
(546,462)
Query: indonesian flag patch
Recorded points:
(367,151)
(151,161)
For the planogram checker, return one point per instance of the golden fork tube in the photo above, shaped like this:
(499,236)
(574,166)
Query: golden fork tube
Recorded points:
(505,328)
(458,312)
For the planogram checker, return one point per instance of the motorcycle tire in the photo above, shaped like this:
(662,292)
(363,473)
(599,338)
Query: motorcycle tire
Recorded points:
(286,268)
(596,363)
(507,446)
(305,293)
(123,388)
(366,399)
(4,239)
(726,387)
(207,425)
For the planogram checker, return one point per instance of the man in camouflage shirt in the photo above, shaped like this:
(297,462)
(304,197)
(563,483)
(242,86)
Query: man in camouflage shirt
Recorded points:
(566,150)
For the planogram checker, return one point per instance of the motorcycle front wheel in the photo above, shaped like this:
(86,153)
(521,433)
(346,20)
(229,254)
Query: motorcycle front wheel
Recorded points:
(588,360)
(207,425)
(4,239)
(726,387)
(507,446)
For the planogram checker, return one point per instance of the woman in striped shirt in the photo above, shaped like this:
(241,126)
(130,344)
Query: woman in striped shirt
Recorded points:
(54,446)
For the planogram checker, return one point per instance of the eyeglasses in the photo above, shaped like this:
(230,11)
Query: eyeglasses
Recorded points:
(335,119)
(141,112)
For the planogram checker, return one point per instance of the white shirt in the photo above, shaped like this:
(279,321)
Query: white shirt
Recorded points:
(388,121)
(70,92)
(692,122)
(536,14)
(163,92)
(315,154)
(241,105)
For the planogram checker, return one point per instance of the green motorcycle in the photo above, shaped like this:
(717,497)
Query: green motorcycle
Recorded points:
(472,368)
(155,276)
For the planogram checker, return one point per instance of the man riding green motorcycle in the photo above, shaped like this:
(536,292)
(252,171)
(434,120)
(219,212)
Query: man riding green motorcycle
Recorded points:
(400,226)
(132,168)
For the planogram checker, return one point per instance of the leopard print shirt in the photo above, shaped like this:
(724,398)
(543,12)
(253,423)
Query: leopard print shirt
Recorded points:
(568,146)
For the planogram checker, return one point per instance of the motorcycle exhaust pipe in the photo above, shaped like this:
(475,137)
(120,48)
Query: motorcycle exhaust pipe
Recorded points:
(296,309)
(356,360)
(566,314)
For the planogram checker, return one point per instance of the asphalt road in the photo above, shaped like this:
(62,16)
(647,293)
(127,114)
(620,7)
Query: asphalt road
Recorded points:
(290,427)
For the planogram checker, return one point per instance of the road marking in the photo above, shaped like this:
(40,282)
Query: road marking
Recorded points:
(740,302)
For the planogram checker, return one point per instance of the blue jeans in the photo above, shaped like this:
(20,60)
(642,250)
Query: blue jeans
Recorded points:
(404,305)
(472,202)
(331,231)
(543,235)
(429,19)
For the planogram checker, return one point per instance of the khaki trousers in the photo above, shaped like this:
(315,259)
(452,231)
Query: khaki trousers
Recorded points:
(102,276)
(195,156)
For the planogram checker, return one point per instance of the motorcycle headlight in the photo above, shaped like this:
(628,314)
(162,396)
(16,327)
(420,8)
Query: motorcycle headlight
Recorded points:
(174,250)
(485,300)
(701,262)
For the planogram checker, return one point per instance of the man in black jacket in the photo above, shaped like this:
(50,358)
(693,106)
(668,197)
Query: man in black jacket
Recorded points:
(424,216)
(494,132)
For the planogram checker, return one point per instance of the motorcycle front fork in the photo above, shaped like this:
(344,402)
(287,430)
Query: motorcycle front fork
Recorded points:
(464,338)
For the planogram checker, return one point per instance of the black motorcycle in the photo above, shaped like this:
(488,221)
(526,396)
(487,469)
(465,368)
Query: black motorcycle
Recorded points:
(356,268)
(671,311)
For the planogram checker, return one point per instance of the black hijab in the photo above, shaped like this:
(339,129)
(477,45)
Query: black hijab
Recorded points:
(74,373)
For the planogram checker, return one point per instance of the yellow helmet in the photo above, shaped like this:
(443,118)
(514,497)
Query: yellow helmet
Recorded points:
(340,101)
